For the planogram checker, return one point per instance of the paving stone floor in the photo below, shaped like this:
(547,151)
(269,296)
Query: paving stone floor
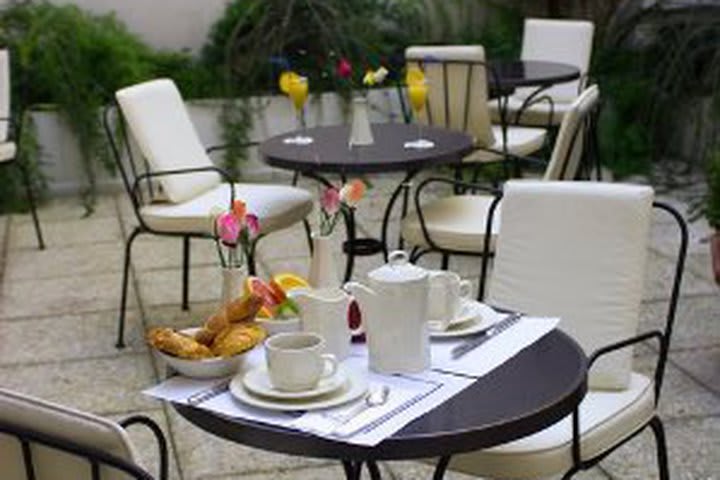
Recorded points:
(58,313)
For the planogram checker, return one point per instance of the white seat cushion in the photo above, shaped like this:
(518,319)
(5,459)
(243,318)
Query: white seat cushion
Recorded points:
(7,151)
(4,94)
(605,419)
(521,141)
(577,251)
(161,126)
(58,421)
(536,114)
(456,223)
(277,207)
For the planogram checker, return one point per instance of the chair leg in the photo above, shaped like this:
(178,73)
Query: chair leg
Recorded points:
(659,431)
(31,201)
(186,274)
(445,261)
(123,296)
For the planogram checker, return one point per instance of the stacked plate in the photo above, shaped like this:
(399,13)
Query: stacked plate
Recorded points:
(473,317)
(255,388)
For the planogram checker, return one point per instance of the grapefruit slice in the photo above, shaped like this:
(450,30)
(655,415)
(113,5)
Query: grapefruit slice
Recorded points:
(265,292)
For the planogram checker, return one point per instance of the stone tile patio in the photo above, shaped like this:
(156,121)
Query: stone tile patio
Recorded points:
(58,311)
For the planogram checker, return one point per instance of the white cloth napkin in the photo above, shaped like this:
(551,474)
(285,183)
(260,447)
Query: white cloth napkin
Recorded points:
(494,352)
(411,396)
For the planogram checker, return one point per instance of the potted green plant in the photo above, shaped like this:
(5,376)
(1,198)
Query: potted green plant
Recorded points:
(711,209)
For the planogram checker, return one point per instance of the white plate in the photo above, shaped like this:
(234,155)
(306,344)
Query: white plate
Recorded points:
(355,386)
(257,381)
(473,317)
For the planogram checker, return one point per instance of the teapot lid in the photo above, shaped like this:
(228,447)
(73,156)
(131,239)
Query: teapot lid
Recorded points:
(398,269)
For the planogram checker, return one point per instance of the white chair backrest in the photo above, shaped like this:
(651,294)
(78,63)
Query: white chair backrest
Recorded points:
(570,142)
(563,41)
(166,136)
(64,423)
(4,94)
(462,103)
(576,250)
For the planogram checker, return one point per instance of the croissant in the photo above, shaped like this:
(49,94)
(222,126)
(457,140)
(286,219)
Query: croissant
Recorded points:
(239,310)
(174,343)
(237,338)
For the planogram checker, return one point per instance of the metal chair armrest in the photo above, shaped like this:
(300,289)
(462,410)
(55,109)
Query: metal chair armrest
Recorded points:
(535,101)
(159,437)
(163,173)
(455,183)
(225,146)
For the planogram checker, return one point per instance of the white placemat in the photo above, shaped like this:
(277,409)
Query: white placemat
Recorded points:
(494,352)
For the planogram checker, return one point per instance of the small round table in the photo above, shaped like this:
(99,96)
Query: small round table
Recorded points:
(330,153)
(511,74)
(538,387)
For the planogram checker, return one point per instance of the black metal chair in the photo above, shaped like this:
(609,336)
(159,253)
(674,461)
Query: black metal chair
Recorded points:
(553,240)
(155,118)
(458,99)
(455,225)
(10,128)
(42,440)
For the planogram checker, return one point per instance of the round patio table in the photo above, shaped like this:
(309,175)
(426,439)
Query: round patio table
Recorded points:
(531,391)
(511,74)
(330,154)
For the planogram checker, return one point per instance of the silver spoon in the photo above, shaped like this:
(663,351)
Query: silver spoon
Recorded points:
(374,398)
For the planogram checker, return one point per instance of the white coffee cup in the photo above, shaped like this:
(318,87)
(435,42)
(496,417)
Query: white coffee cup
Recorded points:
(447,294)
(295,361)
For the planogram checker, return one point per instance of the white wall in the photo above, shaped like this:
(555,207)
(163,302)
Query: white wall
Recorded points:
(163,24)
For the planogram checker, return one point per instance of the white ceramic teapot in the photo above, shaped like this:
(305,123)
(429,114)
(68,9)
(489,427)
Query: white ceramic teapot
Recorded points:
(395,315)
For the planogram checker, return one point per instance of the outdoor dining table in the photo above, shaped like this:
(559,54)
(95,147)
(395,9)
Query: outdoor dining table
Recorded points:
(532,390)
(329,153)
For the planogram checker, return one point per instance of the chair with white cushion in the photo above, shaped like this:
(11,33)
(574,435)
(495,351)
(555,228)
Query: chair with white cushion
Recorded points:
(8,147)
(455,225)
(552,40)
(577,250)
(46,441)
(458,99)
(176,185)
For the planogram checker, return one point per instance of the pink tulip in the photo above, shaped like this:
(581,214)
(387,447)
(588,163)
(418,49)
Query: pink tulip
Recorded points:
(344,68)
(253,225)
(330,201)
(228,228)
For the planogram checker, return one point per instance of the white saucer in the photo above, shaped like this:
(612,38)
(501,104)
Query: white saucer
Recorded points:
(474,316)
(419,144)
(257,381)
(355,386)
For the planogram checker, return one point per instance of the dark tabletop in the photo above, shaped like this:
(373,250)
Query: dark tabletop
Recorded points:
(534,389)
(530,73)
(330,152)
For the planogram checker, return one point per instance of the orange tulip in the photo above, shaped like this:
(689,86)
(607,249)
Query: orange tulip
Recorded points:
(239,209)
(352,192)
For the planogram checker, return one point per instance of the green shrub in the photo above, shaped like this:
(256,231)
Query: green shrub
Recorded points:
(75,60)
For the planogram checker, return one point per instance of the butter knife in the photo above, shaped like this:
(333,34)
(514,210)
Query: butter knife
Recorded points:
(485,335)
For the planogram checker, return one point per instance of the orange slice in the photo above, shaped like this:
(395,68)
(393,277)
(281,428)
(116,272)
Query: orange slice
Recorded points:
(290,281)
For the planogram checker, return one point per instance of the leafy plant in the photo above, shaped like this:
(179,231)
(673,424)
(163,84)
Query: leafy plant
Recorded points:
(711,208)
(75,60)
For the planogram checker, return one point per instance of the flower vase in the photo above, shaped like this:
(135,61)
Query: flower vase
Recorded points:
(232,283)
(323,272)
(360,131)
